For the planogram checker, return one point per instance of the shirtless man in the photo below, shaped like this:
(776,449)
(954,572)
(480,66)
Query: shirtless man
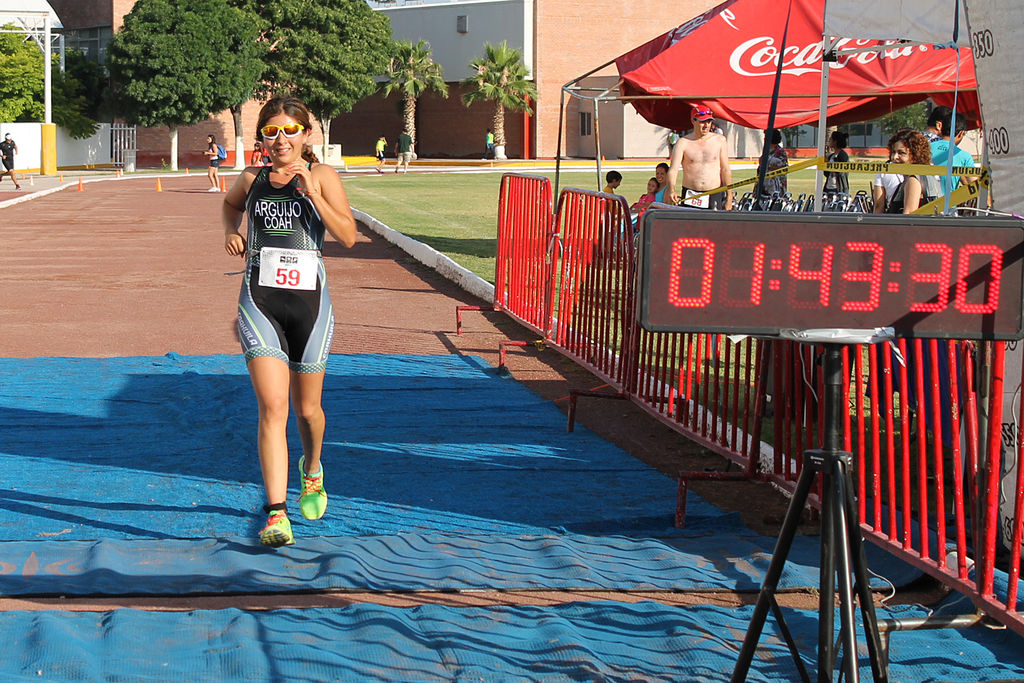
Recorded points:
(704,157)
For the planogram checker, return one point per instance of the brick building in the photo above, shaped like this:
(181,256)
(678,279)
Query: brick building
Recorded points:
(560,40)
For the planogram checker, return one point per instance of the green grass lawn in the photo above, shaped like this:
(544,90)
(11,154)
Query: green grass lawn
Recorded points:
(457,213)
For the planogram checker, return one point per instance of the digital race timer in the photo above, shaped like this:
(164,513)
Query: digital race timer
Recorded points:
(757,273)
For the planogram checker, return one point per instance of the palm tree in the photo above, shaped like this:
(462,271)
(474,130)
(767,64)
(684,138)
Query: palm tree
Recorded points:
(500,77)
(412,72)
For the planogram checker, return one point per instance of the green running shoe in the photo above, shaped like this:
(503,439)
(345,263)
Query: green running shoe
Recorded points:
(313,499)
(278,531)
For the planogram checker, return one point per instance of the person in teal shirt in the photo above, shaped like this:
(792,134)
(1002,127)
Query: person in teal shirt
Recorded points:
(942,148)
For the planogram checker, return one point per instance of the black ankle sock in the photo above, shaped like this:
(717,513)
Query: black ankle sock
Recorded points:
(276,506)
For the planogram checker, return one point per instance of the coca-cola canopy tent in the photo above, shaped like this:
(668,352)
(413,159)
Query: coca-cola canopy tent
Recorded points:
(726,59)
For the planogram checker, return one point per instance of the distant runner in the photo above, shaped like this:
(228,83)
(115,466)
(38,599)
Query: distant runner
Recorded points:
(7,151)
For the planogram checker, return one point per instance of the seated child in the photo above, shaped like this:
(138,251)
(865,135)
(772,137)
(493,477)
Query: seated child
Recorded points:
(641,204)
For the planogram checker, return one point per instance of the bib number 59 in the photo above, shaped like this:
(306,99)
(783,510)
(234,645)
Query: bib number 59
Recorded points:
(287,277)
(288,268)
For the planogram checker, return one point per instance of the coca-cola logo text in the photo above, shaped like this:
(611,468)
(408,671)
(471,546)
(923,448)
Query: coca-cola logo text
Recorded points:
(760,56)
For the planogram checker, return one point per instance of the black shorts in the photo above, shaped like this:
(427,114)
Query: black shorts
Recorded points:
(214,163)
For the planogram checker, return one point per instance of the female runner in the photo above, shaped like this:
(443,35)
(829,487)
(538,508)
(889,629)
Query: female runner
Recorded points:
(285,318)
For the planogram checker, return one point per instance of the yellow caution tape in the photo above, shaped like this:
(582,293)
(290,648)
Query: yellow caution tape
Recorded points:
(904,169)
(799,166)
(964,193)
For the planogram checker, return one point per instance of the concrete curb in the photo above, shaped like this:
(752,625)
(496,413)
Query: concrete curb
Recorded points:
(430,257)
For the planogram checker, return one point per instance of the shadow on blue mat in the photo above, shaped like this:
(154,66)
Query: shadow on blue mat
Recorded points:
(165,448)
(441,474)
(594,641)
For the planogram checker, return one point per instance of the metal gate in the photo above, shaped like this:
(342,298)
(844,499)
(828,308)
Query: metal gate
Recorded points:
(123,146)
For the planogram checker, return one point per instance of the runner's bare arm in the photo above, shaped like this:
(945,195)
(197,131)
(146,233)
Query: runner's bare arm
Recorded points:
(232,210)
(324,188)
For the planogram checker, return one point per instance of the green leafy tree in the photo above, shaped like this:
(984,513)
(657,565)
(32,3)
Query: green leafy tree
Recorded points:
(246,74)
(22,96)
(177,62)
(501,77)
(21,68)
(70,104)
(413,72)
(328,53)
(92,80)
(914,116)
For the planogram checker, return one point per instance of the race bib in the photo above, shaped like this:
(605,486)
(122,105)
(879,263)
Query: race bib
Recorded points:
(288,268)
(699,202)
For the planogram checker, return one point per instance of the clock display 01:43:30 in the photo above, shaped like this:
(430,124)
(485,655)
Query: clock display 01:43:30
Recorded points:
(927,276)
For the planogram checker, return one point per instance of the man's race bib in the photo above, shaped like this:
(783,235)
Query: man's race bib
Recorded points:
(288,268)
(699,202)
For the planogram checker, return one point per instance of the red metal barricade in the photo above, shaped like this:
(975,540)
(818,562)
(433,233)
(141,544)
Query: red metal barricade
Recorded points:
(594,319)
(524,265)
(927,450)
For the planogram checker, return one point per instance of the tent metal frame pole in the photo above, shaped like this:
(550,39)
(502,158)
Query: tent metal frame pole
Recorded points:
(558,148)
(568,88)
(572,88)
(828,44)
(597,143)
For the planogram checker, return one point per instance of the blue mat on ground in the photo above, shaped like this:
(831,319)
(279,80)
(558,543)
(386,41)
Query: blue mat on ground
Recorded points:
(139,475)
(594,641)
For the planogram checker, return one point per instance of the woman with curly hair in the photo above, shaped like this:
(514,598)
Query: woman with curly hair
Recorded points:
(909,146)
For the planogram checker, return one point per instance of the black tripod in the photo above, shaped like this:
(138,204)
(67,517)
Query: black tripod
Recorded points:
(841,544)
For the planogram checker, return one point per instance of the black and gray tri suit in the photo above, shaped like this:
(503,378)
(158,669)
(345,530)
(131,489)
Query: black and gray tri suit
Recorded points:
(294,325)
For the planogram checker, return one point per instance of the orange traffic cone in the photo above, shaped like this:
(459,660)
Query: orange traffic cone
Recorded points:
(187,172)
(158,188)
(223,185)
(60,177)
(81,188)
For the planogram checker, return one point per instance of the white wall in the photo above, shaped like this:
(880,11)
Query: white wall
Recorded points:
(488,21)
(71,153)
(642,138)
(89,152)
(26,136)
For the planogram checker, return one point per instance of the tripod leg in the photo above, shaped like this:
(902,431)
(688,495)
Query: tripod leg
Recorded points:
(790,641)
(771,579)
(848,629)
(827,581)
(879,667)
